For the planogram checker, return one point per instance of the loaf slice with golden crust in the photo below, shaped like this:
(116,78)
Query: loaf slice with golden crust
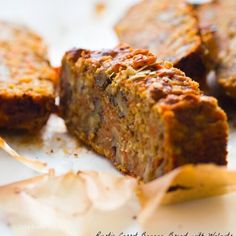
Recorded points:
(145,116)
(27,80)
(220,17)
(169,29)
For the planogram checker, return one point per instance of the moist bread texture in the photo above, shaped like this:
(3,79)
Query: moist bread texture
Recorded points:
(169,29)
(145,116)
(220,17)
(27,80)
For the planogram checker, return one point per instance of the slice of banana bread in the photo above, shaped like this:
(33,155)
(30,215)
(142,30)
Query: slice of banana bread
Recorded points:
(26,79)
(145,116)
(220,16)
(169,29)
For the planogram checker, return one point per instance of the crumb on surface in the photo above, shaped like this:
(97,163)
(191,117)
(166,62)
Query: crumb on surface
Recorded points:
(100,7)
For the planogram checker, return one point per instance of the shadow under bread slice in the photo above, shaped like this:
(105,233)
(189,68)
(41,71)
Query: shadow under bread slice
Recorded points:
(169,29)
(27,80)
(220,17)
(145,116)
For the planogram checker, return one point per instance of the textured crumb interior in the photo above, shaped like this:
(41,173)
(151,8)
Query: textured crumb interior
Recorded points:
(139,118)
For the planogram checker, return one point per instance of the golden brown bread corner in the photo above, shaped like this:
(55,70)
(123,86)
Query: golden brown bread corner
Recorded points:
(220,16)
(145,116)
(27,80)
(169,29)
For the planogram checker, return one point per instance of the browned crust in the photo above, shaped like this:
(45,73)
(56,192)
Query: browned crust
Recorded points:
(169,28)
(27,80)
(145,116)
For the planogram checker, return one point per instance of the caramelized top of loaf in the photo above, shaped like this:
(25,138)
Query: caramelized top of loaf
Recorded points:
(167,28)
(24,67)
(131,67)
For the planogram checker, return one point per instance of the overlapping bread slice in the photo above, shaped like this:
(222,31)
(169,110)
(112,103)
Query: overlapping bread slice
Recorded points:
(169,29)
(220,17)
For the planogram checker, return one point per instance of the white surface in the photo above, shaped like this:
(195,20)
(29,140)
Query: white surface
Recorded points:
(74,23)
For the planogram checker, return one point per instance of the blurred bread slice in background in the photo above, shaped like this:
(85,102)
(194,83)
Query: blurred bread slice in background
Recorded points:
(27,81)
